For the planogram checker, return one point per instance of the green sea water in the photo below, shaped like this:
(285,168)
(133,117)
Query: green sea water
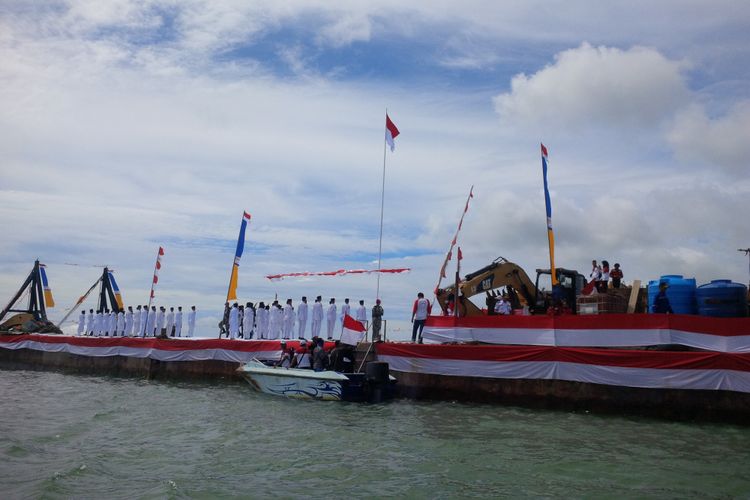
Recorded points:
(68,436)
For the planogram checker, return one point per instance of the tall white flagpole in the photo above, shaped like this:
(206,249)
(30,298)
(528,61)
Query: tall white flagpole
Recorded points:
(382,205)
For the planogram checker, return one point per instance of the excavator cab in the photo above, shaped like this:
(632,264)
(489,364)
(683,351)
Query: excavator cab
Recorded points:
(570,284)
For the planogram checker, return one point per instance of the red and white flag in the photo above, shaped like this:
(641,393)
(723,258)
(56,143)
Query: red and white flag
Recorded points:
(157,267)
(354,331)
(391,132)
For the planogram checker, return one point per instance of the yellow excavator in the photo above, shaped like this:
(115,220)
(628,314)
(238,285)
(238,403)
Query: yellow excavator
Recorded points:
(523,293)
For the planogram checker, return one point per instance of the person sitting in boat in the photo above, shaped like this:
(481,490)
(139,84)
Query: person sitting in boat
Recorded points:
(285,361)
(320,357)
(302,357)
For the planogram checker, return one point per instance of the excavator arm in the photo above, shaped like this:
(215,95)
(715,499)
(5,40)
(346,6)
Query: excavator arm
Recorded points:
(498,274)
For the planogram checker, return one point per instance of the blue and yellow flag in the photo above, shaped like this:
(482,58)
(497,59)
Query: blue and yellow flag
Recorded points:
(232,293)
(48,300)
(550,234)
(116,290)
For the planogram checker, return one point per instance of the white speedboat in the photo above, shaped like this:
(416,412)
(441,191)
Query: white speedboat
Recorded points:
(325,385)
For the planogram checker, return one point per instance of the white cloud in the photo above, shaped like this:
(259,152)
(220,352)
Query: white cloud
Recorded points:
(591,87)
(722,141)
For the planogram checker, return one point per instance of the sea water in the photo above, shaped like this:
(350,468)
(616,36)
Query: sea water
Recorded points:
(65,436)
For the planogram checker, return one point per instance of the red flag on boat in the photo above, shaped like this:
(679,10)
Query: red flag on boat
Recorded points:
(391,132)
(354,331)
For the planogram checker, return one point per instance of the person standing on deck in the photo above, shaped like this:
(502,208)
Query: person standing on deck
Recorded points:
(273,322)
(361,314)
(191,322)
(288,319)
(137,321)
(128,332)
(151,323)
(661,301)
(91,327)
(317,317)
(616,276)
(248,321)
(120,324)
(302,318)
(331,317)
(234,321)
(170,322)
(345,309)
(178,322)
(98,324)
(145,332)
(260,321)
(160,317)
(420,311)
(377,320)
(109,323)
(81,322)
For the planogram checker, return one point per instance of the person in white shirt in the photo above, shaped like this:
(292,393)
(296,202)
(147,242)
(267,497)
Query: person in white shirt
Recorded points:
(111,323)
(99,324)
(361,314)
(151,331)
(345,309)
(502,306)
(288,319)
(274,321)
(248,321)
(91,327)
(302,356)
(160,317)
(420,311)
(145,332)
(178,322)
(128,322)
(81,322)
(170,322)
(191,322)
(317,317)
(331,317)
(137,321)
(234,321)
(302,318)
(120,324)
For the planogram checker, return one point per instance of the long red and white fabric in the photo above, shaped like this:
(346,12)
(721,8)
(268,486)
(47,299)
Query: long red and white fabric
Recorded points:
(353,331)
(611,330)
(339,272)
(157,268)
(614,367)
(449,255)
(391,132)
(239,351)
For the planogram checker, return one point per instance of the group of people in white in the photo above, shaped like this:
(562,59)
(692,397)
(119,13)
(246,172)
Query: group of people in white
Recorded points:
(272,321)
(139,323)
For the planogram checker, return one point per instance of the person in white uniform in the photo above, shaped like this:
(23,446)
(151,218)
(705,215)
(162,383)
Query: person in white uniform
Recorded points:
(234,321)
(248,320)
(91,327)
(120,324)
(288,319)
(111,323)
(129,322)
(345,309)
(160,317)
(191,322)
(272,322)
(331,317)
(302,318)
(262,321)
(98,323)
(361,314)
(137,321)
(170,322)
(151,327)
(144,331)
(81,322)
(317,317)
(178,322)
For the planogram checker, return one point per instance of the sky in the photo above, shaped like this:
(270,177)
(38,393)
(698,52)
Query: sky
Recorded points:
(126,125)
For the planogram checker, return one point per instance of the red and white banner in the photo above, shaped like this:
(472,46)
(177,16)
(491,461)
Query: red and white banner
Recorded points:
(449,255)
(340,272)
(239,351)
(615,367)
(157,267)
(353,332)
(610,330)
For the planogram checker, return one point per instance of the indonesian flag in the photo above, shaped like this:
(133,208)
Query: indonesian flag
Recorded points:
(354,331)
(391,132)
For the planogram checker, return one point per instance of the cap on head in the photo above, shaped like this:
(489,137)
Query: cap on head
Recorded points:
(377,301)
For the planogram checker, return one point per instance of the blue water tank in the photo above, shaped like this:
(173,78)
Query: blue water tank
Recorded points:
(722,298)
(681,293)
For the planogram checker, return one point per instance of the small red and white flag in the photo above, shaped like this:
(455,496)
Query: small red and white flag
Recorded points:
(354,331)
(391,132)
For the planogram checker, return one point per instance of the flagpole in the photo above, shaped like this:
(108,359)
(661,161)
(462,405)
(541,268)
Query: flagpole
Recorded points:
(382,206)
